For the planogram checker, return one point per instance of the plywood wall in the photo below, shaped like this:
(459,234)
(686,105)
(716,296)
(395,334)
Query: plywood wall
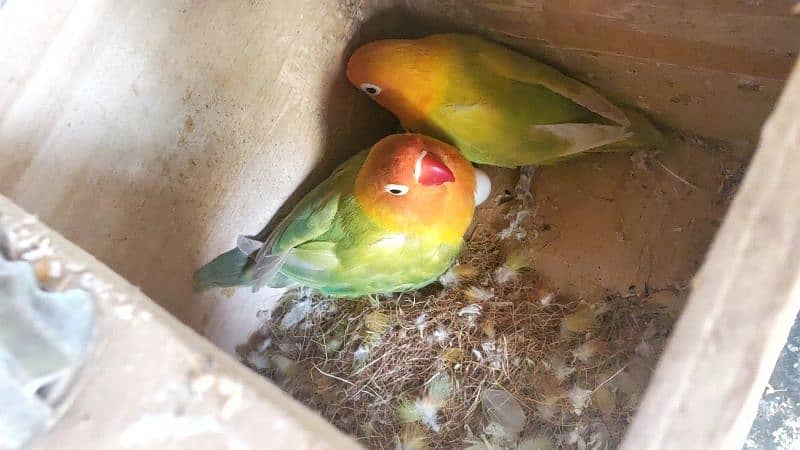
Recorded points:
(151,133)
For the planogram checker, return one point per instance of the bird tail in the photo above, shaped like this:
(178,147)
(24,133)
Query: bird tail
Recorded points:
(232,268)
(645,133)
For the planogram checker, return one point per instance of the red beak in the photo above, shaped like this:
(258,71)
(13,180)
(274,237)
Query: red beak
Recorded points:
(433,172)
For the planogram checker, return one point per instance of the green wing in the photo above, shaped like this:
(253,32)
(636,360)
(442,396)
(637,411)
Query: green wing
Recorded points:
(515,66)
(313,217)
(509,109)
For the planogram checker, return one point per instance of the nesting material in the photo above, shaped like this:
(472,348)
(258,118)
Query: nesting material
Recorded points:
(501,354)
(436,359)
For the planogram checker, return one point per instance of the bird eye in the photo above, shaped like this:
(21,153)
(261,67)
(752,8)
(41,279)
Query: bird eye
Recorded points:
(370,89)
(396,189)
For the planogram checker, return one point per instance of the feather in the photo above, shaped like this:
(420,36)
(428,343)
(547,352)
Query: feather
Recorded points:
(519,67)
(248,245)
(266,268)
(483,186)
(583,136)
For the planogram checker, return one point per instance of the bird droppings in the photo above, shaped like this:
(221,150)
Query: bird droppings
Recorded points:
(201,384)
(510,341)
(749,85)
(47,331)
(154,429)
(228,393)
(568,348)
(124,312)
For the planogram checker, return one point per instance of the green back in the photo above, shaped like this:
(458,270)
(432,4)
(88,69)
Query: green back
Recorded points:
(494,100)
(336,248)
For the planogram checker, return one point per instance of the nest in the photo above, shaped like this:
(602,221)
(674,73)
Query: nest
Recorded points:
(489,358)
(495,356)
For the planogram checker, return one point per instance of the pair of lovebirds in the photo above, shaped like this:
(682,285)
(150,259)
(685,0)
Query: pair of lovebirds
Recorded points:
(392,218)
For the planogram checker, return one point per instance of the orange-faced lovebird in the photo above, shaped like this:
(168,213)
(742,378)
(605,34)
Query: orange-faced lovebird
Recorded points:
(389,219)
(496,105)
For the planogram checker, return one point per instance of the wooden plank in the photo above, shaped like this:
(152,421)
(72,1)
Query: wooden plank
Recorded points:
(151,382)
(704,393)
(152,133)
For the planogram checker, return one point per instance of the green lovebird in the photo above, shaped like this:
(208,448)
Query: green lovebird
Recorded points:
(389,219)
(496,105)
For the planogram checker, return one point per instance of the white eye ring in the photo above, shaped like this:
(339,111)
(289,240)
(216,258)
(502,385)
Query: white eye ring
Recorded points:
(370,89)
(396,189)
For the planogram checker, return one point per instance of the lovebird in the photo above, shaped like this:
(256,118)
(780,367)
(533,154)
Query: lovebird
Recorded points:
(390,219)
(497,106)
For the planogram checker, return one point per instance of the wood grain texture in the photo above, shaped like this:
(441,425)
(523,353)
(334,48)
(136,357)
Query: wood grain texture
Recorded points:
(152,134)
(151,382)
(705,391)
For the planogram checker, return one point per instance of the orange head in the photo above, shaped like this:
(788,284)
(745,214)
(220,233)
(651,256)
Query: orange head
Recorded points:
(412,183)
(407,77)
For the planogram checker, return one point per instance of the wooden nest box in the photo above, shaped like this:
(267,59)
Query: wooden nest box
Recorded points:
(148,135)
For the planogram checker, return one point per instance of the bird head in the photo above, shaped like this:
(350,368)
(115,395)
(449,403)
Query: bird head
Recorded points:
(417,184)
(404,76)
